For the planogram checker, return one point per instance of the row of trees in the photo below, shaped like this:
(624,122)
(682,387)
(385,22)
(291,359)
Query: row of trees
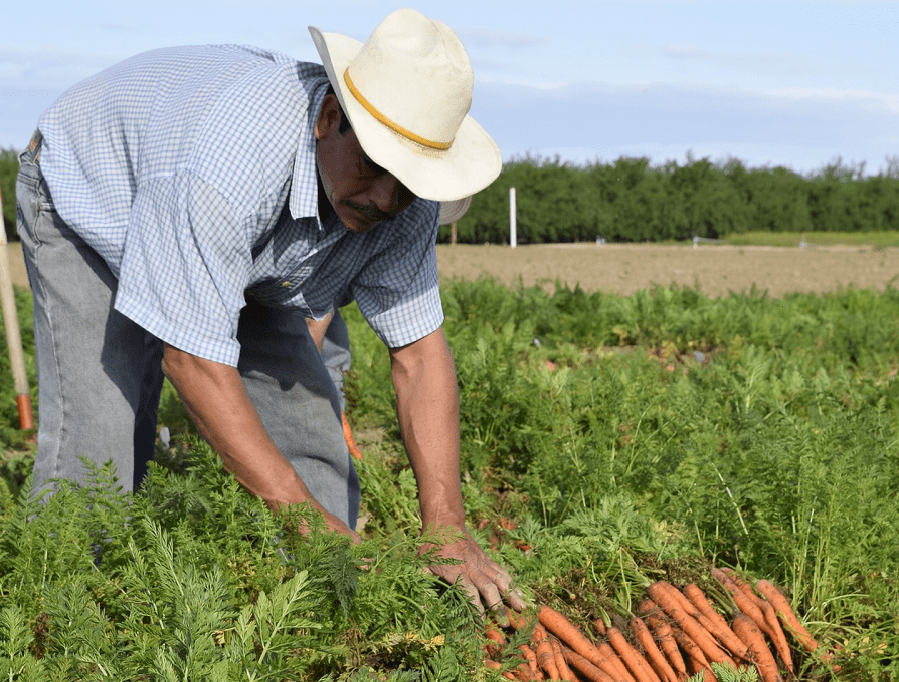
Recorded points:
(631,200)
(9,168)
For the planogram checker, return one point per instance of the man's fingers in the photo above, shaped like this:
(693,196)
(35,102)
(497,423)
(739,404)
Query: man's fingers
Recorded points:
(512,596)
(484,581)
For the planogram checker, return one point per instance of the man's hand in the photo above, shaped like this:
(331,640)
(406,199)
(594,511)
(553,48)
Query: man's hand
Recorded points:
(332,523)
(487,583)
(427,398)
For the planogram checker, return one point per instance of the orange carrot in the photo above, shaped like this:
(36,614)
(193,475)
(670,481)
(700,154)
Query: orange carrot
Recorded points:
(746,604)
(585,668)
(599,626)
(531,658)
(775,632)
(545,658)
(675,593)
(655,657)
(663,594)
(667,644)
(746,629)
(570,635)
(770,625)
(612,663)
(714,622)
(525,674)
(495,640)
(561,664)
(695,668)
(515,619)
(649,607)
(633,660)
(763,614)
(690,648)
(348,437)
(786,614)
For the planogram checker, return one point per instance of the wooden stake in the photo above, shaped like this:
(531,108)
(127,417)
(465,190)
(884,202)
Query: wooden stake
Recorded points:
(13,337)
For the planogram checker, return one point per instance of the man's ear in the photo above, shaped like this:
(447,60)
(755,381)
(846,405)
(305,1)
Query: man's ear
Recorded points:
(328,118)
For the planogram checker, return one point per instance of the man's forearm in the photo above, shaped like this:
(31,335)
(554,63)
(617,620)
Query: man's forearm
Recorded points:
(226,418)
(428,411)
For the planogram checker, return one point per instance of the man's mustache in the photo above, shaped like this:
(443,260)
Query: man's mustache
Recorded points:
(369,212)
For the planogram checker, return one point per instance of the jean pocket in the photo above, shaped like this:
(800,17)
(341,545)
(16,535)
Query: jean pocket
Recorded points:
(33,207)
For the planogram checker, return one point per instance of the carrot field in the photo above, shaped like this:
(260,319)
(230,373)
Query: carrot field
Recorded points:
(611,442)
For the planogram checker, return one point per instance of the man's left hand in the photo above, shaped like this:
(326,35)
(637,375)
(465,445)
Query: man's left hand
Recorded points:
(486,582)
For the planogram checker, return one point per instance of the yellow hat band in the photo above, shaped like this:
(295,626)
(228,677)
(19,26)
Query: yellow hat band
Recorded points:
(408,134)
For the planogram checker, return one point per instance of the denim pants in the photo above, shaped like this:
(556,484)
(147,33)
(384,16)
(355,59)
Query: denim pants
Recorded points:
(99,374)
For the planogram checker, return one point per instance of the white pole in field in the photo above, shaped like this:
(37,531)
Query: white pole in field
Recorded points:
(13,338)
(513,225)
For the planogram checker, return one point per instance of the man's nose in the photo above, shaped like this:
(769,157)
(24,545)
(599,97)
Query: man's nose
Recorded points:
(388,194)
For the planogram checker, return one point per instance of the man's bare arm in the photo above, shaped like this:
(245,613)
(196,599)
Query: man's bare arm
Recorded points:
(424,377)
(215,398)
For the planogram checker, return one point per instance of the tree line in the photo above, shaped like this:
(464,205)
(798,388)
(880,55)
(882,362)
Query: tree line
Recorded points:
(631,200)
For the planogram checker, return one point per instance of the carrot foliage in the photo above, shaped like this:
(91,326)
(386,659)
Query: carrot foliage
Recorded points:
(607,442)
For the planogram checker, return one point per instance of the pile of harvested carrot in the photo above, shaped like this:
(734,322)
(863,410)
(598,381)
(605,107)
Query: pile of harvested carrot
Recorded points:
(676,634)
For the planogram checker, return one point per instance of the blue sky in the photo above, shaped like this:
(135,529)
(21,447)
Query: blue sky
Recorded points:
(793,83)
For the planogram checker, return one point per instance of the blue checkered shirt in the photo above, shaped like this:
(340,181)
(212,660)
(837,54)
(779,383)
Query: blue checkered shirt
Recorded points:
(192,172)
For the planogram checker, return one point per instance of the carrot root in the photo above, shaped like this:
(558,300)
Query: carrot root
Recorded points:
(348,437)
(653,654)
(787,616)
(714,622)
(569,634)
(585,668)
(546,660)
(673,602)
(633,660)
(565,673)
(747,630)
(667,644)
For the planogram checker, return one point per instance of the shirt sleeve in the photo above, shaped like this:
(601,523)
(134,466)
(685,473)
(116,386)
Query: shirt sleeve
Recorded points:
(185,267)
(398,291)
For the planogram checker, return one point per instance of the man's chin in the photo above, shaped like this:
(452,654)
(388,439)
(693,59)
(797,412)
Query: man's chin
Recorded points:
(358,226)
(357,222)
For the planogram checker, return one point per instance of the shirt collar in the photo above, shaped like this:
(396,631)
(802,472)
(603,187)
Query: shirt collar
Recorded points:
(304,186)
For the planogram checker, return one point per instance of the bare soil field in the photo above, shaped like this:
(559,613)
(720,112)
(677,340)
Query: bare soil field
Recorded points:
(715,270)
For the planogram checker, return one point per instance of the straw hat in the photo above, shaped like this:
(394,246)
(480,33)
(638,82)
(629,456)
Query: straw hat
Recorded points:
(407,92)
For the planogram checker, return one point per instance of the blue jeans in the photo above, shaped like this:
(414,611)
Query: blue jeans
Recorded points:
(99,374)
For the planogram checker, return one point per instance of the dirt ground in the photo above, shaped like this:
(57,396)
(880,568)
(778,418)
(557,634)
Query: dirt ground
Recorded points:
(624,268)
(714,269)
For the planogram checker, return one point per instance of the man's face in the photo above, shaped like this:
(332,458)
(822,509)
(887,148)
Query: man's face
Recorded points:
(361,192)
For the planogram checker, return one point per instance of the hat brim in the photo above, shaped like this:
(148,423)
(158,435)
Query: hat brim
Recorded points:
(472,162)
(451,211)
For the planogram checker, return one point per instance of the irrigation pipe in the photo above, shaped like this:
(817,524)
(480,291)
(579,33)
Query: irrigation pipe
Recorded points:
(13,338)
